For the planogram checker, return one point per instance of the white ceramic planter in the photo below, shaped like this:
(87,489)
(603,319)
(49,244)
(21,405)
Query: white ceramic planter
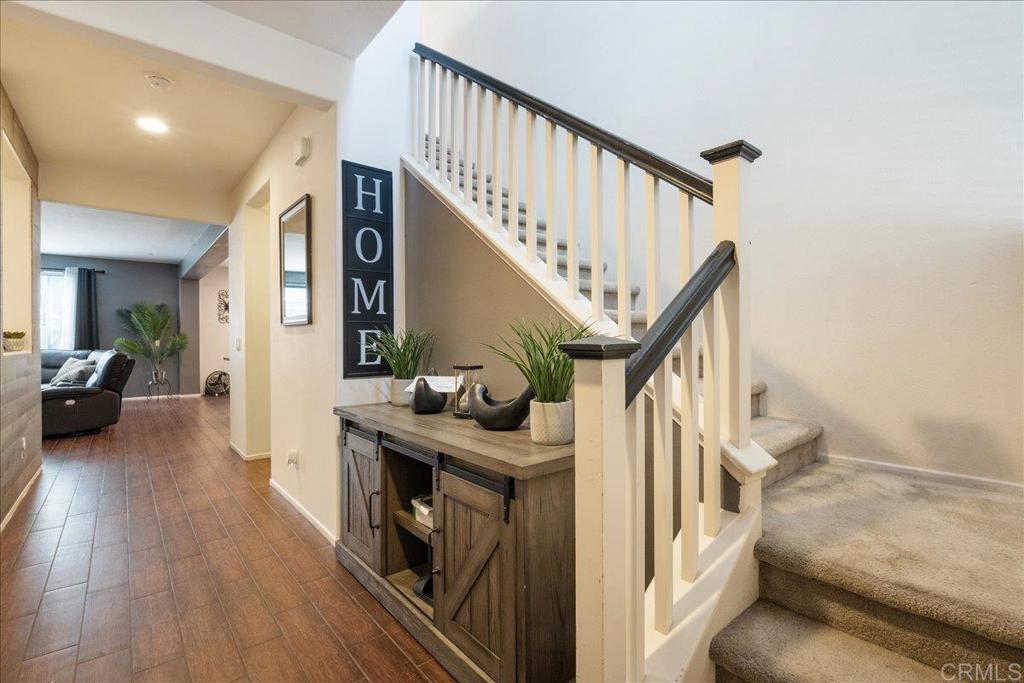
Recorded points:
(551,424)
(399,396)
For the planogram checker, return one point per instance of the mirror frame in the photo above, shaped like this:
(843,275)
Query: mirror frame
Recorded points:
(306,202)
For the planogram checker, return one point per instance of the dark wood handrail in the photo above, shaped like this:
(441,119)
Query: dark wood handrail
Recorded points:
(696,185)
(668,329)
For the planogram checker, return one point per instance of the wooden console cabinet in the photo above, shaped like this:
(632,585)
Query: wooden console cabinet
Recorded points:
(499,554)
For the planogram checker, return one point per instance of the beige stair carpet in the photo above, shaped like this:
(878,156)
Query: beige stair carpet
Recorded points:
(949,552)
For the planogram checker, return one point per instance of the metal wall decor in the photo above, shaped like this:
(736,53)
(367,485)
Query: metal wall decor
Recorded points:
(222,306)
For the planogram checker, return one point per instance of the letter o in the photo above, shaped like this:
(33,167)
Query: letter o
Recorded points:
(359,245)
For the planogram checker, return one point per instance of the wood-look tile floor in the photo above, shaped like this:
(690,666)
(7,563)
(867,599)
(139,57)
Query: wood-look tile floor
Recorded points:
(150,552)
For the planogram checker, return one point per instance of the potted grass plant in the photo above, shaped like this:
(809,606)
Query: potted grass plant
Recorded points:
(534,350)
(406,352)
(152,326)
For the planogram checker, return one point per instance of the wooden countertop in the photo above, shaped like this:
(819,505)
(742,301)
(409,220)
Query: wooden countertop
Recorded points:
(507,453)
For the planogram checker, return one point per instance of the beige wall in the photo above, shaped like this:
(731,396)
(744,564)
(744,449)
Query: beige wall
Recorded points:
(462,291)
(214,336)
(152,196)
(16,248)
(301,359)
(19,374)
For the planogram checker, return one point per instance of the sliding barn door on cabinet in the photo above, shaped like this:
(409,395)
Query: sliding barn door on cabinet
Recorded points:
(361,508)
(475,588)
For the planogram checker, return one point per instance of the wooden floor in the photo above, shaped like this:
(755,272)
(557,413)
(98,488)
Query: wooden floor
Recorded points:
(150,552)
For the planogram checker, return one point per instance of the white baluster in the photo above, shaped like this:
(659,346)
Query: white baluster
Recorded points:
(551,241)
(432,70)
(442,121)
(467,169)
(417,123)
(689,474)
(596,232)
(496,162)
(572,271)
(664,478)
(513,174)
(481,169)
(456,134)
(531,205)
(625,306)
(712,428)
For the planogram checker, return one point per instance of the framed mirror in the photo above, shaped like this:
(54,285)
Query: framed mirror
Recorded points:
(296,224)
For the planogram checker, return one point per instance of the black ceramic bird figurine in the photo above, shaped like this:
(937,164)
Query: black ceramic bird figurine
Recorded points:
(499,415)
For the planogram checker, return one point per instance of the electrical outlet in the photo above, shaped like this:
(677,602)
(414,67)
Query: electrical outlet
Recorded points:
(293,458)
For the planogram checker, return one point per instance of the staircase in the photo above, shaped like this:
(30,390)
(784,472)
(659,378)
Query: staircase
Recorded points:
(873,575)
(859,576)
(793,443)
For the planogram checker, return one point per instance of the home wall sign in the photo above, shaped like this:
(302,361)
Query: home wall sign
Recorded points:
(368,262)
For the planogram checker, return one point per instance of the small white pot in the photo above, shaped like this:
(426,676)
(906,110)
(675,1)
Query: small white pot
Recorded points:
(551,424)
(12,345)
(399,396)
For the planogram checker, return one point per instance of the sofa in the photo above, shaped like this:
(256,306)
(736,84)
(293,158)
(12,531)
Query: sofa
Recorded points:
(87,406)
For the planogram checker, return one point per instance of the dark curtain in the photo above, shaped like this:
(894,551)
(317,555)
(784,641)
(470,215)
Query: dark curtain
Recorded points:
(87,330)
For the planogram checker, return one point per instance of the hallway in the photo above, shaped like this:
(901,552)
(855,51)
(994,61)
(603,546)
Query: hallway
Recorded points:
(150,552)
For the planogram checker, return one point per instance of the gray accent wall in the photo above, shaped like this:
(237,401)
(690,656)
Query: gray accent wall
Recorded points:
(124,284)
(460,289)
(188,322)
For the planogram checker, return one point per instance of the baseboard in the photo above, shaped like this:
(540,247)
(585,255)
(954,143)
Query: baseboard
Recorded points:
(250,456)
(305,513)
(21,496)
(952,477)
(163,397)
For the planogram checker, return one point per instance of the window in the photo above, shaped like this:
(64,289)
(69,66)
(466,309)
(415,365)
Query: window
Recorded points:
(51,308)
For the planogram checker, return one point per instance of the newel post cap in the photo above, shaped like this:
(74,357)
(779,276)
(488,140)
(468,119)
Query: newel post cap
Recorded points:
(739,148)
(599,347)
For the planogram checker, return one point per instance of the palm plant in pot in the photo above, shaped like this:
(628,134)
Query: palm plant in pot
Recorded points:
(534,351)
(406,352)
(153,328)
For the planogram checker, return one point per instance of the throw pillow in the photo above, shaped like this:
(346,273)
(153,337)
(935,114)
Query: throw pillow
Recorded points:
(75,370)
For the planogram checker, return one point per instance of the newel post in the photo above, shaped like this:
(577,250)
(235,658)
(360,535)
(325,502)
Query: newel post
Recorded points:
(730,166)
(606,623)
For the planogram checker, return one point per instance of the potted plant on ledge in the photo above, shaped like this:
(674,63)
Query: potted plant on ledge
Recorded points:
(406,352)
(535,352)
(14,341)
(156,340)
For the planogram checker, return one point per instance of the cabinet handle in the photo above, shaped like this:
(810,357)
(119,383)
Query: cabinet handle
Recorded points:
(369,512)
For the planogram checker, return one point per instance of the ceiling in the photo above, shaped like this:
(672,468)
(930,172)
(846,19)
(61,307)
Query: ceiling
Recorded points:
(72,230)
(78,103)
(344,27)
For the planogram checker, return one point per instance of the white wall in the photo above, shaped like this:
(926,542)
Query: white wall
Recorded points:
(301,359)
(886,233)
(374,119)
(214,337)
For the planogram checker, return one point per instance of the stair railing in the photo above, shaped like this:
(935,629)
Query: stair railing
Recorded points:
(611,375)
(467,140)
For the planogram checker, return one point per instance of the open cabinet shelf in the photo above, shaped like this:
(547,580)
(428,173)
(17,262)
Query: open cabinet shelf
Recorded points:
(407,521)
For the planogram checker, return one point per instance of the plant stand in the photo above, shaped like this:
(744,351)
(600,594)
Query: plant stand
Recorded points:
(158,387)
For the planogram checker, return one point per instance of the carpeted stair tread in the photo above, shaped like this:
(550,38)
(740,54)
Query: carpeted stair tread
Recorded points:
(925,640)
(769,644)
(945,551)
(779,435)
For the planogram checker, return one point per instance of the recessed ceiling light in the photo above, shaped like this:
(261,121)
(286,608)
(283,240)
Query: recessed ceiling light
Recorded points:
(151,124)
